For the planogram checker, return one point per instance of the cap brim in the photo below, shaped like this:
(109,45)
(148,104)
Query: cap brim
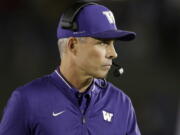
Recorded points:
(116,34)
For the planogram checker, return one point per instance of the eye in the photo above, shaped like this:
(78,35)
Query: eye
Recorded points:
(103,43)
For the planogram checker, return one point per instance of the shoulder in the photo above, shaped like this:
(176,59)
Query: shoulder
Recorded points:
(113,92)
(37,92)
(117,90)
(35,88)
(36,83)
(120,94)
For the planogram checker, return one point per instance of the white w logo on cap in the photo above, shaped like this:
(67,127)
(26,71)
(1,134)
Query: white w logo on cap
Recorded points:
(109,16)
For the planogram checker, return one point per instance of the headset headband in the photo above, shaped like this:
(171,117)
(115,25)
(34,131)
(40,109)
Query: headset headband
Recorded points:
(67,20)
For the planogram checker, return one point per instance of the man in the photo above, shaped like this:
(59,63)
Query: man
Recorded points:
(76,99)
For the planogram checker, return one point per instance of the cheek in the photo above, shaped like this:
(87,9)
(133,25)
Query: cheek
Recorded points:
(95,57)
(91,58)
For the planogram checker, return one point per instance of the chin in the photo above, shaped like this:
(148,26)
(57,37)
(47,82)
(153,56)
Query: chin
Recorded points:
(100,75)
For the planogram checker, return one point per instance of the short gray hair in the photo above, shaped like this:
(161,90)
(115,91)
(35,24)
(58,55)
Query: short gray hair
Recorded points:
(62,44)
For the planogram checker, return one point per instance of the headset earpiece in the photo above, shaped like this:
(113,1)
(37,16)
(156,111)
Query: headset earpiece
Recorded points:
(67,20)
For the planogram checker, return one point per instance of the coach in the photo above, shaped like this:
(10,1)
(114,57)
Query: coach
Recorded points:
(76,99)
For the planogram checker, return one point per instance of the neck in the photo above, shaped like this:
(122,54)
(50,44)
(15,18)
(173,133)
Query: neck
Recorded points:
(76,78)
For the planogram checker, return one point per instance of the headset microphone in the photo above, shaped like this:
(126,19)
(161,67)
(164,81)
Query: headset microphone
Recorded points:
(118,71)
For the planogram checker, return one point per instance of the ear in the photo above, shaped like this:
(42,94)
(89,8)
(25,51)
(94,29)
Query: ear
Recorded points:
(72,45)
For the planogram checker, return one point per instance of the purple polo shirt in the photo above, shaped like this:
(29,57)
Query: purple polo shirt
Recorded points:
(51,106)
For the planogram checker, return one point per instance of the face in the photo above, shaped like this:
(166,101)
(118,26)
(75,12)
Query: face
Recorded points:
(94,57)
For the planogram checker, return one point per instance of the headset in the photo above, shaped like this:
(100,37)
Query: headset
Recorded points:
(68,22)
(68,18)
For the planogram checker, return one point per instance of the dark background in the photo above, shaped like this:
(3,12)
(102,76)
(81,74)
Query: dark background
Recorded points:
(28,49)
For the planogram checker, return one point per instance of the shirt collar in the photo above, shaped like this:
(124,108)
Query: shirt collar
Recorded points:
(91,89)
(62,78)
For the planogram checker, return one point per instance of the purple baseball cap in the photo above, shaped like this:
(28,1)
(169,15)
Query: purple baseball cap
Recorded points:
(95,21)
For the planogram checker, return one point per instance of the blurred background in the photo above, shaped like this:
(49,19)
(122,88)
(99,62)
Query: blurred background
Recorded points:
(28,49)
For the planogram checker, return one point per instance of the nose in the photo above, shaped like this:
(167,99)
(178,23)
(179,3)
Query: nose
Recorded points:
(111,52)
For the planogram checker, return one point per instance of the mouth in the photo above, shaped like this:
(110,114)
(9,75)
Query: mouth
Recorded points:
(107,66)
